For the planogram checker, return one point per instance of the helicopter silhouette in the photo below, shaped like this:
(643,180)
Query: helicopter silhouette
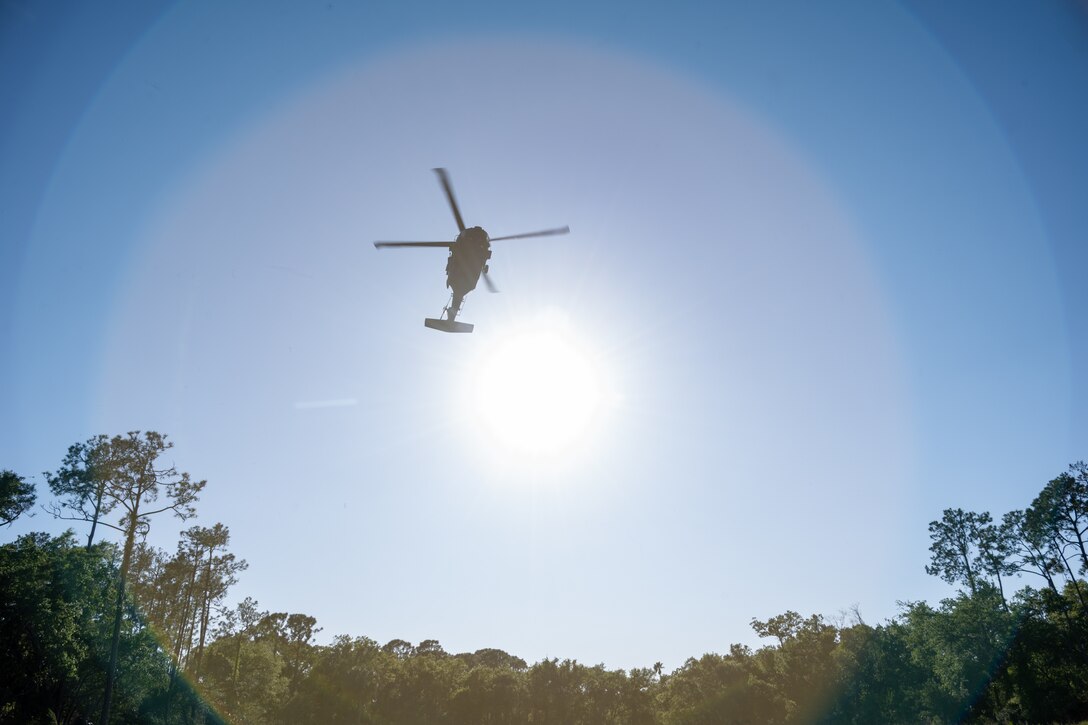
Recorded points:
(467,261)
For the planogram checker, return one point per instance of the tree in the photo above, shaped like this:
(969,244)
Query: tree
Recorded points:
(493,658)
(961,644)
(347,684)
(301,631)
(956,537)
(552,691)
(490,695)
(429,648)
(721,689)
(228,679)
(1031,546)
(215,572)
(291,638)
(1066,500)
(1048,660)
(399,648)
(81,483)
(51,599)
(1059,512)
(56,598)
(782,627)
(802,669)
(180,595)
(244,679)
(996,548)
(880,681)
(16,496)
(133,482)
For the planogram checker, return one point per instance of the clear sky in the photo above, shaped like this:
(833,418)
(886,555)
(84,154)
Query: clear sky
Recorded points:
(826,266)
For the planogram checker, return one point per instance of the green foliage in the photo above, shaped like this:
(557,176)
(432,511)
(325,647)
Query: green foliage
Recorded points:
(80,483)
(721,689)
(16,496)
(957,538)
(344,685)
(962,645)
(981,656)
(1046,663)
(880,680)
(244,679)
(1062,508)
(56,601)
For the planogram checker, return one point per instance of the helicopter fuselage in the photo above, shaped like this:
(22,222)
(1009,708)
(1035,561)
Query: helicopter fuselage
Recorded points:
(467,261)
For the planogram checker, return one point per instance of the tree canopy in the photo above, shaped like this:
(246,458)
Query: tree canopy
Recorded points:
(16,496)
(183,654)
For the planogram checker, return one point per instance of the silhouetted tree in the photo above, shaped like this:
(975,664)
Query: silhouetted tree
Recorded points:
(996,548)
(133,482)
(1031,546)
(1065,499)
(216,572)
(955,548)
(80,484)
(398,648)
(1058,512)
(16,496)
(986,655)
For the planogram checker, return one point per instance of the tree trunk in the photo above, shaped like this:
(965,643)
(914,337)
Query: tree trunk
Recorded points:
(130,540)
(1001,589)
(234,675)
(1080,543)
(969,570)
(183,625)
(205,615)
(1073,579)
(97,511)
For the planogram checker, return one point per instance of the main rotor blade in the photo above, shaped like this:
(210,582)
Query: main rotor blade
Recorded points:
(490,285)
(379,245)
(444,178)
(541,233)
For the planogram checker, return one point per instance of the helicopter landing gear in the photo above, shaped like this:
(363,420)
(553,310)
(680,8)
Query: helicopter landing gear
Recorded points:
(448,321)
(453,307)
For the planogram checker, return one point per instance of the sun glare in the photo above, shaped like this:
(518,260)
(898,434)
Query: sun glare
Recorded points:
(537,393)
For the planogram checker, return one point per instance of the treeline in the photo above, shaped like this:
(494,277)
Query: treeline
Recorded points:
(93,631)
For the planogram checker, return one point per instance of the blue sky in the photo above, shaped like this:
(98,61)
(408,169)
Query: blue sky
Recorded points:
(828,258)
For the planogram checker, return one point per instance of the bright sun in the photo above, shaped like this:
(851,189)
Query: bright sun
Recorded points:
(537,393)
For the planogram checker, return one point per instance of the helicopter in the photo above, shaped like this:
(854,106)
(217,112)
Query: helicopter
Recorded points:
(467,261)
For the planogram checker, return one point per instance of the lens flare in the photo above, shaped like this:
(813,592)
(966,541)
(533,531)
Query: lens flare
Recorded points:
(538,393)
